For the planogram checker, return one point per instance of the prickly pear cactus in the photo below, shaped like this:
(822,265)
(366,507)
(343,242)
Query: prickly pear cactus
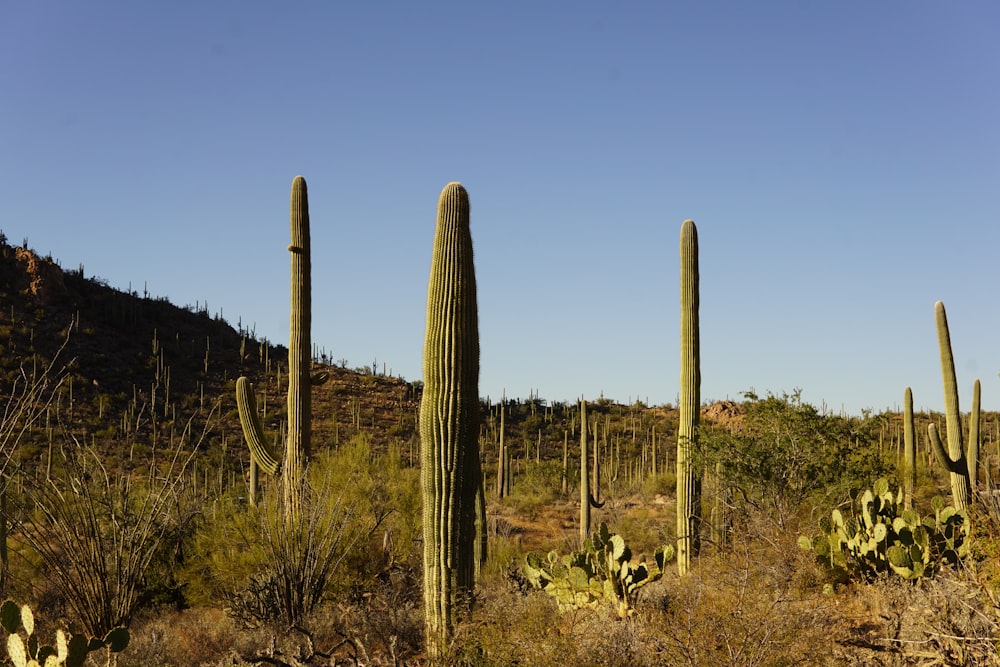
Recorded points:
(68,650)
(602,573)
(882,535)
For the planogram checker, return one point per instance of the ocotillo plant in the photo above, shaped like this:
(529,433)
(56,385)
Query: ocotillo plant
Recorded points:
(954,459)
(909,450)
(450,469)
(688,481)
(297,442)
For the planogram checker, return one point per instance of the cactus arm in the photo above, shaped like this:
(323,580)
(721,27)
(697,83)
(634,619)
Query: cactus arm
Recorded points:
(688,492)
(972,449)
(253,432)
(953,466)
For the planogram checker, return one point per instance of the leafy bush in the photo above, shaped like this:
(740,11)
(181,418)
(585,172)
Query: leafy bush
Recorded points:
(269,570)
(785,452)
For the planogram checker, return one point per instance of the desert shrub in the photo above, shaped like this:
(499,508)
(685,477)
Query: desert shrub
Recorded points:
(270,570)
(539,485)
(785,454)
(96,530)
(660,484)
(740,608)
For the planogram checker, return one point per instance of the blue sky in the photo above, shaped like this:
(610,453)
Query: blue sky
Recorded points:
(841,161)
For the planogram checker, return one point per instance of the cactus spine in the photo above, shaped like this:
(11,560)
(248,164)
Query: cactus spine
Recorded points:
(297,443)
(688,486)
(450,474)
(909,450)
(954,459)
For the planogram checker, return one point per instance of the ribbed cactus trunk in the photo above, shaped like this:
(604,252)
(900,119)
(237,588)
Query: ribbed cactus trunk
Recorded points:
(688,481)
(450,473)
(298,444)
(954,459)
(909,450)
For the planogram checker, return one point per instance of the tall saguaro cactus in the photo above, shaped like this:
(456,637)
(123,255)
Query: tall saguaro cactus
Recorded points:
(299,443)
(954,459)
(584,476)
(450,473)
(909,450)
(298,440)
(688,483)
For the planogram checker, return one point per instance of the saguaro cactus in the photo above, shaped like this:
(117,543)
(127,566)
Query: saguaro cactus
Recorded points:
(450,473)
(298,441)
(954,459)
(972,448)
(584,476)
(909,450)
(688,481)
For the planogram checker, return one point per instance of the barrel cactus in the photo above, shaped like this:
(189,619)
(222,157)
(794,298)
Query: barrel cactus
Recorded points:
(450,473)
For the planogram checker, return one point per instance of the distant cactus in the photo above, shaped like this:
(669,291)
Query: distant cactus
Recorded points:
(688,483)
(587,499)
(909,450)
(450,472)
(298,440)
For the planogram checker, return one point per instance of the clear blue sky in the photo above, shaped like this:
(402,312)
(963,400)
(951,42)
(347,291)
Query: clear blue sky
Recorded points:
(841,160)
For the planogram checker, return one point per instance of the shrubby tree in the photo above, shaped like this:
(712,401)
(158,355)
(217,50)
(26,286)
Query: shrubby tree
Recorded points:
(784,452)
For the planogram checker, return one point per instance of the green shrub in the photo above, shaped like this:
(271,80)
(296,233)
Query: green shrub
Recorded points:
(269,570)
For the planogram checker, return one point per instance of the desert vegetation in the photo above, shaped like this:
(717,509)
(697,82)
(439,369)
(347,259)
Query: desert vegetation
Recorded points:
(176,491)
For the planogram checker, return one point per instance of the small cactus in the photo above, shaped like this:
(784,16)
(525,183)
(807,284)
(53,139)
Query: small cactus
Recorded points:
(602,572)
(69,650)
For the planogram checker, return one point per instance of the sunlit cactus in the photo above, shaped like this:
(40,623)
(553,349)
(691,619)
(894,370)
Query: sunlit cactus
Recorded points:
(297,442)
(450,473)
(954,459)
(688,486)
